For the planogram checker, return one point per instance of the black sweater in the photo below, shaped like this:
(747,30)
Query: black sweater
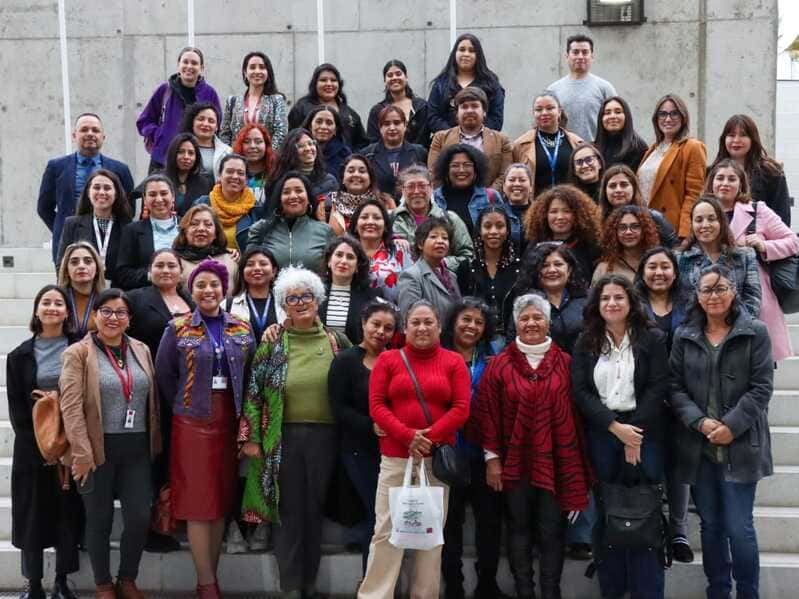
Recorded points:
(348,387)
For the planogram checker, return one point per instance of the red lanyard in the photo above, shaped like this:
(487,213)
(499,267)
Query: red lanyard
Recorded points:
(125,381)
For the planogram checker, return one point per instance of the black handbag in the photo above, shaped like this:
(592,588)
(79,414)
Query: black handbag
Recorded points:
(450,466)
(784,275)
(632,516)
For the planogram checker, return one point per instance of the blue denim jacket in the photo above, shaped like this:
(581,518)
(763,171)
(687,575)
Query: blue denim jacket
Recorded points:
(481,198)
(185,359)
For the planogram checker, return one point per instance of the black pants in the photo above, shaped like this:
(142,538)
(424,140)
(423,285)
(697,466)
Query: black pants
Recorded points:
(125,474)
(487,509)
(306,467)
(535,513)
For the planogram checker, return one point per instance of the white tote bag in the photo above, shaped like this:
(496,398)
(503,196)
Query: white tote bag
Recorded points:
(417,513)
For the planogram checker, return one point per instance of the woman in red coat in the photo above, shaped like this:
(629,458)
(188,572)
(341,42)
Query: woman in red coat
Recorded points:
(533,451)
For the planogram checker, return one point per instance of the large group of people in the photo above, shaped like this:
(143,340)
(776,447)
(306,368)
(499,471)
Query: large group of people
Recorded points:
(303,304)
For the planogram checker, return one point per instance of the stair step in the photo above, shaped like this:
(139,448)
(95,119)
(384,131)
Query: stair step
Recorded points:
(786,377)
(780,489)
(12,336)
(15,311)
(20,285)
(783,409)
(2,370)
(27,259)
(777,529)
(793,330)
(785,444)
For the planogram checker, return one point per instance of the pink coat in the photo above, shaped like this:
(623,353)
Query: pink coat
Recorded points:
(781,242)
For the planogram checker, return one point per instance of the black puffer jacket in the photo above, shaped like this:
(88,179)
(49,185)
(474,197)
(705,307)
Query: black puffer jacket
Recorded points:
(746,372)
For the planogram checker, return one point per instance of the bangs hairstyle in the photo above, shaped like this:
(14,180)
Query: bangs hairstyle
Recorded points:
(219,244)
(630,140)
(306,124)
(468,302)
(297,277)
(388,230)
(744,192)
(681,107)
(726,239)
(63,269)
(423,232)
(675,291)
(341,98)
(288,158)
(612,249)
(370,171)
(269,159)
(377,305)
(191,112)
(483,76)
(171,168)
(597,154)
(757,158)
(240,285)
(533,262)
(471,94)
(120,209)
(441,169)
(618,169)
(387,110)
(594,338)
(695,313)
(35,325)
(586,215)
(395,62)
(360,278)
(270,86)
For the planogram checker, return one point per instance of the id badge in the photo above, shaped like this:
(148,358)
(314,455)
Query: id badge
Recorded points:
(130,416)
(219,382)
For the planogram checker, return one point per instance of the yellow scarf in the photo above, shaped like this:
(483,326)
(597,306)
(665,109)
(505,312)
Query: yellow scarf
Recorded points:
(229,212)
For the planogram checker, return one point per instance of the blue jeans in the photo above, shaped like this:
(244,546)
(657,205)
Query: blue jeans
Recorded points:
(639,572)
(727,528)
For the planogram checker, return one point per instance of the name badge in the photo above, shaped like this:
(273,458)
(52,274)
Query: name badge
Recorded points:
(219,382)
(130,417)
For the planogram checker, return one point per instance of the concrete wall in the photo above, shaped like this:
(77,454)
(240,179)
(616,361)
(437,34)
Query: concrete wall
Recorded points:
(717,54)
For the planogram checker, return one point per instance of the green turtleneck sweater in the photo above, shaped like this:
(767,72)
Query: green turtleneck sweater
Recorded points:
(309,358)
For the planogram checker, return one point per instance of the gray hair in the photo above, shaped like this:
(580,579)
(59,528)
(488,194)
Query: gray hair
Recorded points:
(297,277)
(531,299)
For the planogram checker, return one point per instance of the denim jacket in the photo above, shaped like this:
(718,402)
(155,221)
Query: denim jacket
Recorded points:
(481,198)
(184,364)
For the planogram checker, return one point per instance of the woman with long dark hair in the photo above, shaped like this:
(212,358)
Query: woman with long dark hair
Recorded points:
(616,137)
(620,377)
(202,120)
(184,167)
(325,125)
(326,88)
(251,298)
(466,66)
(201,236)
(740,141)
(300,152)
(261,103)
(723,379)
(399,94)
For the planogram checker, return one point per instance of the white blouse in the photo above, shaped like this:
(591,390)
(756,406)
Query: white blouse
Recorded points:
(647,172)
(614,376)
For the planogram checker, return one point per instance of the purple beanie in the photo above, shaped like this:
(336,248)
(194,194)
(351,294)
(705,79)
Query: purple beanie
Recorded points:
(212,266)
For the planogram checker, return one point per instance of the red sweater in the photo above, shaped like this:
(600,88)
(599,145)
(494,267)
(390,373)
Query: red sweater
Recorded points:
(527,417)
(445,383)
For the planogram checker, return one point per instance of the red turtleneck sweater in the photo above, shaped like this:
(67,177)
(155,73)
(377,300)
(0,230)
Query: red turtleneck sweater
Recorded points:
(446,386)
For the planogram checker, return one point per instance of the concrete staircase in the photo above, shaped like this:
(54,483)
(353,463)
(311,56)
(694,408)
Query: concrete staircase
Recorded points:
(776,512)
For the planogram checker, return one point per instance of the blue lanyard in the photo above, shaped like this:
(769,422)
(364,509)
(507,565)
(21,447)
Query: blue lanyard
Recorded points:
(218,348)
(84,327)
(260,319)
(553,156)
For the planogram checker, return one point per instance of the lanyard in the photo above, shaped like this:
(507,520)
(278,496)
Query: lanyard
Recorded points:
(84,327)
(102,246)
(552,157)
(260,319)
(218,349)
(127,380)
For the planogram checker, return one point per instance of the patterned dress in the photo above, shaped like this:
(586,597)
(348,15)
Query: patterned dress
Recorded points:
(385,268)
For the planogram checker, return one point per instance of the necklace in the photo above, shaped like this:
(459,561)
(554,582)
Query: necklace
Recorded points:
(550,140)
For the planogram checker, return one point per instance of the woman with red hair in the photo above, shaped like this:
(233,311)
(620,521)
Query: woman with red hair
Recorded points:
(629,233)
(255,144)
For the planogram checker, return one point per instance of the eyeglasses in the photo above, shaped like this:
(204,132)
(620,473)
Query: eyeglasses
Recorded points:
(419,186)
(718,291)
(120,314)
(587,161)
(664,114)
(305,298)
(632,227)
(308,144)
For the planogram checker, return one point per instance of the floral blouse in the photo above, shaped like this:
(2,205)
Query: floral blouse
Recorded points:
(385,268)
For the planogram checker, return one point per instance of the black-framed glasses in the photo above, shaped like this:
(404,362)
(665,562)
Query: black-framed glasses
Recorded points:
(664,114)
(305,298)
(121,314)
(718,291)
(587,161)
(632,227)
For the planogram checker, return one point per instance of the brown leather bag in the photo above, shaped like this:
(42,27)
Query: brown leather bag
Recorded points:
(48,426)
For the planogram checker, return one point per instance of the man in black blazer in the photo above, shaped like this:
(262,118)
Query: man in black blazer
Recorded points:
(64,177)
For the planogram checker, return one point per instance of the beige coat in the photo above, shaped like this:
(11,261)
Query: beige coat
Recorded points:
(81,405)
(524,150)
(496,147)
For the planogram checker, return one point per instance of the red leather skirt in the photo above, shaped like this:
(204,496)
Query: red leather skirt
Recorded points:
(203,465)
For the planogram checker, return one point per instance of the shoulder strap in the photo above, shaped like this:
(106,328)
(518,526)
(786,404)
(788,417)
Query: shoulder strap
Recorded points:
(164,101)
(419,395)
(752,226)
